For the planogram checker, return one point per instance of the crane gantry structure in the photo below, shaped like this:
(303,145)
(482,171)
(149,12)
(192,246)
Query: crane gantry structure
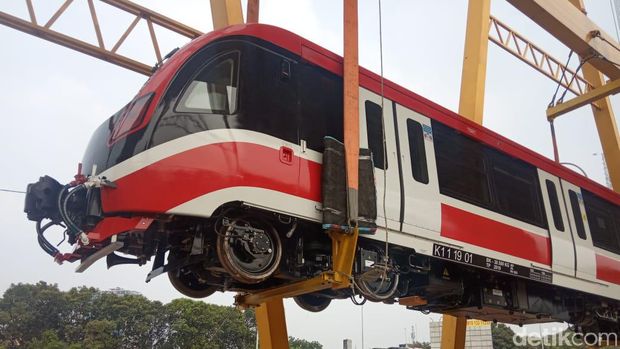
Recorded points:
(567,21)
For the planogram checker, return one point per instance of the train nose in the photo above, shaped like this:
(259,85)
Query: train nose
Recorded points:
(76,207)
(42,200)
(57,204)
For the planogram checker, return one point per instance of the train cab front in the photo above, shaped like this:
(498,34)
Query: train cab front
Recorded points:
(101,218)
(161,178)
(78,206)
(115,196)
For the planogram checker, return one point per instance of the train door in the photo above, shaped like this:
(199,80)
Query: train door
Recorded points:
(422,207)
(562,244)
(386,167)
(584,249)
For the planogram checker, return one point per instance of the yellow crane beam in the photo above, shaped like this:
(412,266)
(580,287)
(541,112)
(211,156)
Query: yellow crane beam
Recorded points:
(606,127)
(473,76)
(604,118)
(317,283)
(573,28)
(271,325)
(593,95)
(225,13)
(253,10)
(453,332)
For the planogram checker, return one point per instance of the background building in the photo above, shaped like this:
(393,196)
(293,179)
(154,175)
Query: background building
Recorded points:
(123,292)
(478,335)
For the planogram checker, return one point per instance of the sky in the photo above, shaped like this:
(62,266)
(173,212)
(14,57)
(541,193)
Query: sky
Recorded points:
(53,98)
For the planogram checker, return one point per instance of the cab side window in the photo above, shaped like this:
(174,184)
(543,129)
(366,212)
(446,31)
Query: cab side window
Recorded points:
(320,105)
(603,222)
(214,89)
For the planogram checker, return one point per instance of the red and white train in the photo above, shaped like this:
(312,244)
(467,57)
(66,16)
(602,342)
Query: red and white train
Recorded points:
(214,170)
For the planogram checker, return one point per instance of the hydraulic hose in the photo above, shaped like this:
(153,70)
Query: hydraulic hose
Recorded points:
(72,228)
(46,245)
(59,201)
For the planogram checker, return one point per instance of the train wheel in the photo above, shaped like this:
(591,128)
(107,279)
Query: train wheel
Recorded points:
(249,249)
(188,284)
(378,284)
(312,302)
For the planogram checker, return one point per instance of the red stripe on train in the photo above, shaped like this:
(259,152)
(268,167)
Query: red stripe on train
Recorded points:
(607,269)
(187,175)
(473,229)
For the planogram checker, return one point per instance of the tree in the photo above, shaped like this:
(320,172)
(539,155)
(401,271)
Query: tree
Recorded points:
(138,320)
(49,340)
(42,316)
(100,334)
(298,343)
(26,311)
(423,345)
(199,325)
(503,337)
(250,321)
(84,308)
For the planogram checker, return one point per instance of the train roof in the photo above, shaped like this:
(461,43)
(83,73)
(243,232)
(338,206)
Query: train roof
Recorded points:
(330,61)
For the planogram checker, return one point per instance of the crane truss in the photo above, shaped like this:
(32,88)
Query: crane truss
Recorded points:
(100,49)
(517,45)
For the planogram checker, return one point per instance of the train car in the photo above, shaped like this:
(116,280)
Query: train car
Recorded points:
(214,171)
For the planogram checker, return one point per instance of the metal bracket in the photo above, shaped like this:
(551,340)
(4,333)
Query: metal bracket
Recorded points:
(113,246)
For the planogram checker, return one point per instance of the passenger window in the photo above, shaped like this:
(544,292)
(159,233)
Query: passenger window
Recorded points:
(374,127)
(472,172)
(516,188)
(555,205)
(460,166)
(604,230)
(214,89)
(417,151)
(574,203)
